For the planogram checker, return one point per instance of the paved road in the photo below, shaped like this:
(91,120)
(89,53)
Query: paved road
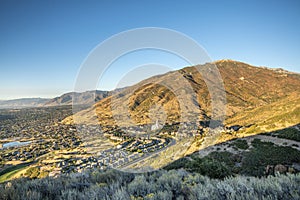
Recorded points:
(148,155)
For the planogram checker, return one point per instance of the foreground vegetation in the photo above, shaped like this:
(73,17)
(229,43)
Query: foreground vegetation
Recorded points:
(247,161)
(173,184)
(288,133)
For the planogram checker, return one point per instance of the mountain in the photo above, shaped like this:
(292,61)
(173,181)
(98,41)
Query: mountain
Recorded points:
(23,103)
(253,95)
(87,97)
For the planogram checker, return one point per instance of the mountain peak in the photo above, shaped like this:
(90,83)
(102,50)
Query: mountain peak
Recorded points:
(228,61)
(247,88)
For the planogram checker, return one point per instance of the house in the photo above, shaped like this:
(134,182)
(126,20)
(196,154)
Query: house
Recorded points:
(235,127)
(156,126)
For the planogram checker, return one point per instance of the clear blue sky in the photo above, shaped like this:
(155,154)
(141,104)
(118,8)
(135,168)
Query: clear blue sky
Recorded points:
(43,43)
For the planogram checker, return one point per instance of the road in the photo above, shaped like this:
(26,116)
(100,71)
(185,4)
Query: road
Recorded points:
(148,155)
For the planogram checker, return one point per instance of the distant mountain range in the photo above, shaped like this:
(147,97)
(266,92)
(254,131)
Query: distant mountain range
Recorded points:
(87,97)
(23,103)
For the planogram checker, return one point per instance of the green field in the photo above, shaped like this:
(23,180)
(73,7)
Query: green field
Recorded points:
(8,173)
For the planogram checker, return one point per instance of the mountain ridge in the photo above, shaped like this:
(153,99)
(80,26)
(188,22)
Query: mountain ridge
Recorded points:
(247,87)
(87,97)
(23,102)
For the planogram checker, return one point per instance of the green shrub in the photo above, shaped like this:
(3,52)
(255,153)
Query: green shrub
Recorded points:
(289,133)
(266,153)
(160,185)
(240,144)
(210,167)
(180,163)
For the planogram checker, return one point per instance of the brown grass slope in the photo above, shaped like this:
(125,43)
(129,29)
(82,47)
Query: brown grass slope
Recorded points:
(253,95)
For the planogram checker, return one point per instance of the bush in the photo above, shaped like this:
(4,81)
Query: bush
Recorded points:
(161,185)
(210,167)
(180,163)
(266,153)
(240,144)
(139,187)
(289,133)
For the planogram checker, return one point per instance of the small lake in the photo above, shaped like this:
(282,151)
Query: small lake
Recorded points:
(15,144)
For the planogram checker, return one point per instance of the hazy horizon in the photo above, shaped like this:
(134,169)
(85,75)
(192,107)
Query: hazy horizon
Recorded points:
(43,44)
(51,96)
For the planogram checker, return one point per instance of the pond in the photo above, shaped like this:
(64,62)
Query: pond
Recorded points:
(15,144)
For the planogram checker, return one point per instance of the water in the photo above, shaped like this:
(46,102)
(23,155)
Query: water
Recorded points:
(15,144)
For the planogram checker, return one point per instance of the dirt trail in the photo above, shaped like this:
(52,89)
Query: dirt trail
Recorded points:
(277,141)
(225,146)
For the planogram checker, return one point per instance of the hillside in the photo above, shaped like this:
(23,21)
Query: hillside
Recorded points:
(23,103)
(87,97)
(253,95)
(258,155)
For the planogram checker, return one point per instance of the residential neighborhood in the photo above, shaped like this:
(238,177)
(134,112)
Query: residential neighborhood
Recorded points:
(35,137)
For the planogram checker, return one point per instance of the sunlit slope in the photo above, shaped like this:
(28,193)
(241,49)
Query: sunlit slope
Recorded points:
(253,94)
